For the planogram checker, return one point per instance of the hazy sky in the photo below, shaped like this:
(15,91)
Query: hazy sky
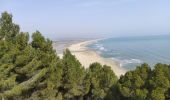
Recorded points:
(89,18)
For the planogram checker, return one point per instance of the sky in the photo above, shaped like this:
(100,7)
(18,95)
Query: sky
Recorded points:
(90,18)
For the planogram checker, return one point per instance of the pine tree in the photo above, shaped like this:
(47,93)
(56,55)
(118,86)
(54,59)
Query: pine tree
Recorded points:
(26,67)
(73,77)
(102,78)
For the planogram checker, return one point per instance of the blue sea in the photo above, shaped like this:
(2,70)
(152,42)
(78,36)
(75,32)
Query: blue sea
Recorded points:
(133,51)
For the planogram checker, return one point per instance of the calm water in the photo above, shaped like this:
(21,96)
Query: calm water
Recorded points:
(132,51)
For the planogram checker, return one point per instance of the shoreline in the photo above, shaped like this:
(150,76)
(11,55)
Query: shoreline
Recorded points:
(87,56)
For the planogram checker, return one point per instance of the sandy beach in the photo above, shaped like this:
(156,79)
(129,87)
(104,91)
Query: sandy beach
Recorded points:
(87,57)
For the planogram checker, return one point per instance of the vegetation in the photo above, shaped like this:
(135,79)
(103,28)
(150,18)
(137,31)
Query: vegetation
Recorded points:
(145,84)
(31,70)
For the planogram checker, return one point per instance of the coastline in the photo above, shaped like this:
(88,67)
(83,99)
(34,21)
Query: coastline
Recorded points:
(87,56)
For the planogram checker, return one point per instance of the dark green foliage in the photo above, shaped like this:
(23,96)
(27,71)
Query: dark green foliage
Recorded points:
(22,40)
(39,42)
(102,79)
(33,71)
(8,29)
(144,83)
(25,68)
(73,77)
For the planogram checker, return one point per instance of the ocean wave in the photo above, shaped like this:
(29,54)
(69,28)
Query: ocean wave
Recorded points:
(100,47)
(127,61)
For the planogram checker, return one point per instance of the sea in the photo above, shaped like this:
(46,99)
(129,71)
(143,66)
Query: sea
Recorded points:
(133,51)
